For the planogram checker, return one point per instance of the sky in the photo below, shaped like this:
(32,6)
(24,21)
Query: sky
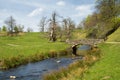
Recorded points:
(29,12)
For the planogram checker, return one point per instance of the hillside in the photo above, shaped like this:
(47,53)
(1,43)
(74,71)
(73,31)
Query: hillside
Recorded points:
(108,67)
(114,37)
(79,34)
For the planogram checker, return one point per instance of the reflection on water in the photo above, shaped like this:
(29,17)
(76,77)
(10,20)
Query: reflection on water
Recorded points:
(84,47)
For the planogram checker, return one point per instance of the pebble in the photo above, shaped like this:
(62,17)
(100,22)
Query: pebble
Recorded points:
(58,61)
(12,77)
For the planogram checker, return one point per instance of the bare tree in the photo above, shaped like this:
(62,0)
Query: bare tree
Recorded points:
(10,22)
(53,25)
(68,27)
(42,24)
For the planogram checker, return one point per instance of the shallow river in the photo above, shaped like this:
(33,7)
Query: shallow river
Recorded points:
(35,71)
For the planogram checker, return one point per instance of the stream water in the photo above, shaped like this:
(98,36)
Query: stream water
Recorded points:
(35,71)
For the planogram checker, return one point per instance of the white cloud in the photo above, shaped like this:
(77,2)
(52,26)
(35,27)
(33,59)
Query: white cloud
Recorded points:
(84,10)
(35,12)
(61,3)
(84,7)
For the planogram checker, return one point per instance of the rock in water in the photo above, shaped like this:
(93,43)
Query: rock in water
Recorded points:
(12,77)
(58,61)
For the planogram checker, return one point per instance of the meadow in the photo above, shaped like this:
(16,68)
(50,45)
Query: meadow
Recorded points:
(28,45)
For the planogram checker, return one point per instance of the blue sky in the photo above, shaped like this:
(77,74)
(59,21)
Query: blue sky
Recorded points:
(29,12)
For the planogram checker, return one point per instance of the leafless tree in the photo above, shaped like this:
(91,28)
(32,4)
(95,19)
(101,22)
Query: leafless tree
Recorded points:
(10,22)
(42,24)
(53,25)
(68,27)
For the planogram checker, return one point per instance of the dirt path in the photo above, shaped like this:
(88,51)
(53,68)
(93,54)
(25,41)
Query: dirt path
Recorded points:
(12,45)
(113,42)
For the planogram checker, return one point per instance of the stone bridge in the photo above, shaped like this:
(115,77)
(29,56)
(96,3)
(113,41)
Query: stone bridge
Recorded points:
(85,41)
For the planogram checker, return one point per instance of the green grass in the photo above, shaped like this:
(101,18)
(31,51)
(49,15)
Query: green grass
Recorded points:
(18,50)
(115,36)
(108,68)
(28,44)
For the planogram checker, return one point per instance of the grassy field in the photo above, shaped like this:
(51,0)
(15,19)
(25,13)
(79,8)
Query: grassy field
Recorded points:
(28,45)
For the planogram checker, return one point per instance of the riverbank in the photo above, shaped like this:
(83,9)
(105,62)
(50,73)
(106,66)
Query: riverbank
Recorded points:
(30,47)
(75,69)
(107,68)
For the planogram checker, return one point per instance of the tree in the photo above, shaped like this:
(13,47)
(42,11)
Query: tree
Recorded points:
(29,29)
(0,29)
(58,31)
(104,20)
(81,25)
(10,22)
(42,24)
(107,9)
(53,25)
(16,29)
(20,28)
(91,21)
(4,28)
(68,26)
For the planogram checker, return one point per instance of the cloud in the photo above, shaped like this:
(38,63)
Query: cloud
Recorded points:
(61,3)
(84,10)
(36,12)
(84,7)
